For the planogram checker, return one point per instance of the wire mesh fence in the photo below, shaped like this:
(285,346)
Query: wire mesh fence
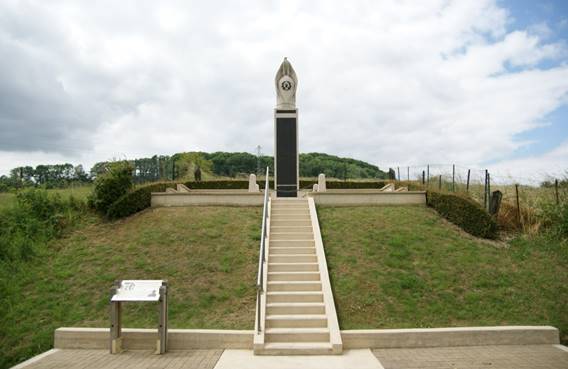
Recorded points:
(523,197)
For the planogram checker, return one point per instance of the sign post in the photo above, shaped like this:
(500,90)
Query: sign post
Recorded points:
(138,291)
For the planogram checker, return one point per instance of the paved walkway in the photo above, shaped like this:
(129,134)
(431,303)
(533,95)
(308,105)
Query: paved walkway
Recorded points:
(191,359)
(478,357)
(494,357)
(351,359)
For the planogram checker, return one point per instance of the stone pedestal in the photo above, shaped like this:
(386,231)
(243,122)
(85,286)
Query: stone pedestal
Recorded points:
(286,159)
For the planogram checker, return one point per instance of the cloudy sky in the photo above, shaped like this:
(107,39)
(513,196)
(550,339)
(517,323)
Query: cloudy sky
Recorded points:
(478,83)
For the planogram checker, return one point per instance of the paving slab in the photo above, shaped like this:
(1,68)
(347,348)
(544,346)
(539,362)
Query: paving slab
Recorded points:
(350,359)
(494,357)
(102,359)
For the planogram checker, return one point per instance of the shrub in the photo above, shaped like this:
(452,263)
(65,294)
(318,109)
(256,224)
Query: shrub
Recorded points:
(465,213)
(35,219)
(555,218)
(111,185)
(136,200)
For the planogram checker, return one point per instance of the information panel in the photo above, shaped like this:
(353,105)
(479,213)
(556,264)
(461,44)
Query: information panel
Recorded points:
(138,290)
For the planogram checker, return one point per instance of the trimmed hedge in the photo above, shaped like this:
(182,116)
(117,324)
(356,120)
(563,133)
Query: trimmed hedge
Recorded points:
(136,200)
(465,213)
(140,198)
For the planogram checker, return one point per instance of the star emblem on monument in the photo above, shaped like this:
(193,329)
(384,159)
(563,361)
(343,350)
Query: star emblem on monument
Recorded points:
(286,85)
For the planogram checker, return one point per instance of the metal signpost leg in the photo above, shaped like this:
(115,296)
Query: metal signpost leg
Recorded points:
(163,328)
(115,323)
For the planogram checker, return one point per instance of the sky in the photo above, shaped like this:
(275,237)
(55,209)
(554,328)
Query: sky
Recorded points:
(478,83)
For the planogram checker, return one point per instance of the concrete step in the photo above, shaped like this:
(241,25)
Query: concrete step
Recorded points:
(296,286)
(296,334)
(293,276)
(292,243)
(287,215)
(291,229)
(290,209)
(293,258)
(290,296)
(292,250)
(290,203)
(296,348)
(290,223)
(296,321)
(293,267)
(289,308)
(289,199)
(291,236)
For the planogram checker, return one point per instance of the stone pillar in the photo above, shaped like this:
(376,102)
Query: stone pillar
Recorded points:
(321,183)
(286,158)
(253,186)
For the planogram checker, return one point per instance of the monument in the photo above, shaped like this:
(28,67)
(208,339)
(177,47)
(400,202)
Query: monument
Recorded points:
(286,159)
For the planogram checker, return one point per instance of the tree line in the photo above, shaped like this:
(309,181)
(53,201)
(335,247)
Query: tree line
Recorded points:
(184,166)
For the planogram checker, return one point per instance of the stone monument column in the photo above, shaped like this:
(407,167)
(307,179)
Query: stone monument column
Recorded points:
(286,158)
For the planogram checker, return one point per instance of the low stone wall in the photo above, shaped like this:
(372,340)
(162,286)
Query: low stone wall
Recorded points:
(450,337)
(145,339)
(208,197)
(368,197)
(185,339)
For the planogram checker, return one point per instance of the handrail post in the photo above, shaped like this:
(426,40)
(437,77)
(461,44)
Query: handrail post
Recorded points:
(262,252)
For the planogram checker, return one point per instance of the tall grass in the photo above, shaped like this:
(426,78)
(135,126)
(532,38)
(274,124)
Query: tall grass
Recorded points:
(539,209)
(32,221)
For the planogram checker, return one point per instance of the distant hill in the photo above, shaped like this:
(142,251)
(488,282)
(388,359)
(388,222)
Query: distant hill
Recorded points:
(234,164)
(183,165)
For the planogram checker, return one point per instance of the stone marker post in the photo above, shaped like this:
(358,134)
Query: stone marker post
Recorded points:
(286,159)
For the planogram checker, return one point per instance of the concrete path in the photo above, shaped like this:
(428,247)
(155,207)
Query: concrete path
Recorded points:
(350,359)
(489,357)
(494,357)
(102,359)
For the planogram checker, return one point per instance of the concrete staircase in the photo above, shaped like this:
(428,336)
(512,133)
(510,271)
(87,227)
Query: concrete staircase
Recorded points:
(299,312)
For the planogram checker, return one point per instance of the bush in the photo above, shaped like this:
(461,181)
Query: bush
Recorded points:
(35,219)
(136,200)
(111,185)
(465,213)
(555,218)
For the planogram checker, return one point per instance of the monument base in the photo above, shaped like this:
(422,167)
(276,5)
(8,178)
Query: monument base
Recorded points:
(286,159)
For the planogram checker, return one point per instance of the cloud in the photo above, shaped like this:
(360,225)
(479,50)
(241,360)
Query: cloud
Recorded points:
(533,170)
(388,82)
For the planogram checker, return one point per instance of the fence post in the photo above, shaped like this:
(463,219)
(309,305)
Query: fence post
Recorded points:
(158,161)
(173,170)
(453,178)
(423,178)
(398,171)
(485,199)
(488,190)
(518,206)
(556,189)
(427,175)
(467,186)
(440,182)
(408,174)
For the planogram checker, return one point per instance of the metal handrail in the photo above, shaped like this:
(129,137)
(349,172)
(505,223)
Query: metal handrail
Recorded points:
(261,254)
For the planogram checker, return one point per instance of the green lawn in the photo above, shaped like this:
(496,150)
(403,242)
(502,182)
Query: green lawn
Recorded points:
(80,192)
(403,267)
(208,255)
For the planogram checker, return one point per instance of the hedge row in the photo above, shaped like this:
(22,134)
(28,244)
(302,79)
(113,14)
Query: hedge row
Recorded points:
(140,198)
(465,213)
(136,200)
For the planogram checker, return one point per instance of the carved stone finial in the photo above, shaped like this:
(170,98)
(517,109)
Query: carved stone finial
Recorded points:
(286,84)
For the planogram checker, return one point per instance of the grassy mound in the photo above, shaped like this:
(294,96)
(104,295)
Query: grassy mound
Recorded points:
(403,267)
(208,255)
